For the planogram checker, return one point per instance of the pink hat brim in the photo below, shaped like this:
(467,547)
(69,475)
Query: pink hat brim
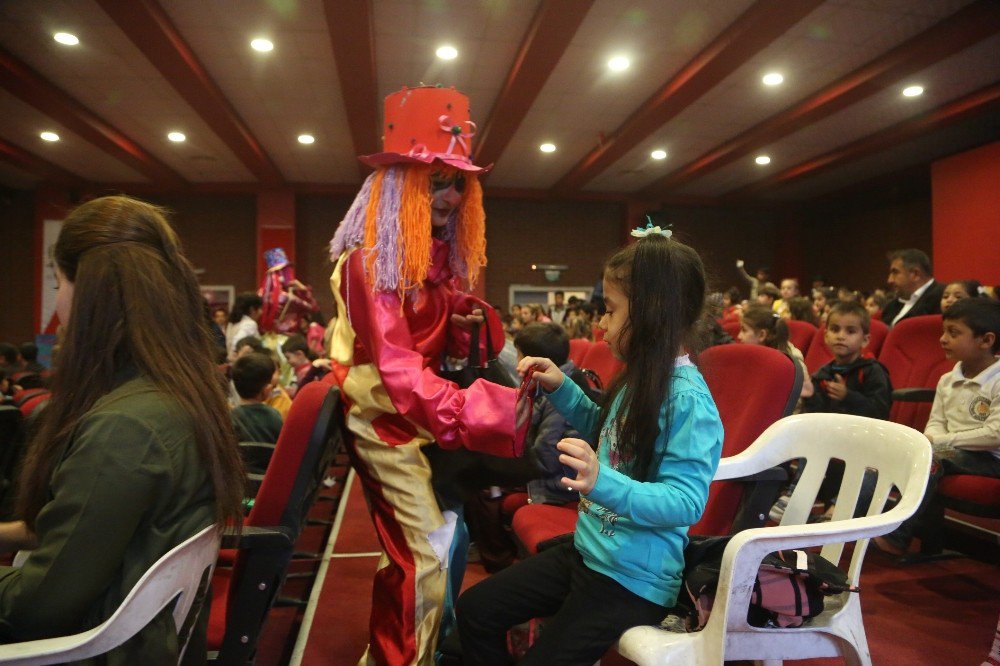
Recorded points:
(382,159)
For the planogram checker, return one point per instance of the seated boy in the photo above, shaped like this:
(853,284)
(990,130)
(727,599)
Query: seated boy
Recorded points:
(964,425)
(548,427)
(849,384)
(254,421)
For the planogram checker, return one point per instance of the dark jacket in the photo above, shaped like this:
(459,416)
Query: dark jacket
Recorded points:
(928,303)
(548,426)
(130,487)
(869,392)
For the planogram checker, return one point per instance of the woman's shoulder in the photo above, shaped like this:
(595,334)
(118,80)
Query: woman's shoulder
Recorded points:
(142,405)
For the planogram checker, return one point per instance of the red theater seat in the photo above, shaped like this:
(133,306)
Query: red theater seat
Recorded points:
(247,580)
(801,334)
(913,356)
(600,359)
(578,348)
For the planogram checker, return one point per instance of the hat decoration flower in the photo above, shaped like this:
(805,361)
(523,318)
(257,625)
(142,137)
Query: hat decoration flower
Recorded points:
(650,228)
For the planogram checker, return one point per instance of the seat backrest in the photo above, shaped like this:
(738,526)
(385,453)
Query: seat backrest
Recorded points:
(801,334)
(297,465)
(182,574)
(877,332)
(913,356)
(753,386)
(600,359)
(578,349)
(732,327)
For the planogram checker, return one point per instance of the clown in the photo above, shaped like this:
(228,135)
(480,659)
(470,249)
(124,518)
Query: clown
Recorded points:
(414,231)
(286,301)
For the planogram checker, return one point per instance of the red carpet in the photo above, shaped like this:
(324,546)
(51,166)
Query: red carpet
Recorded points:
(942,613)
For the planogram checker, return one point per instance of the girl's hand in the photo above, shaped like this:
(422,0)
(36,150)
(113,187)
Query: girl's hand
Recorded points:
(577,454)
(547,373)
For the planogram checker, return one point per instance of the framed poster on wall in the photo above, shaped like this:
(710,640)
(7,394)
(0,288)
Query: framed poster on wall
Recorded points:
(219,295)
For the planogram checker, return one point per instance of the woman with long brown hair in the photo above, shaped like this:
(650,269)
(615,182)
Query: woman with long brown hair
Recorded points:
(135,451)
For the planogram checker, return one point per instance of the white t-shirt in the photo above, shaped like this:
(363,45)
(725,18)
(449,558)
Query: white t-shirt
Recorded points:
(966,411)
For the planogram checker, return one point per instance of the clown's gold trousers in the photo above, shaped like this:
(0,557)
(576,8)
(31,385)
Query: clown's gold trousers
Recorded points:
(410,584)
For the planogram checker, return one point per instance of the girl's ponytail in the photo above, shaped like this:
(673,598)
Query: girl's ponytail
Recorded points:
(762,318)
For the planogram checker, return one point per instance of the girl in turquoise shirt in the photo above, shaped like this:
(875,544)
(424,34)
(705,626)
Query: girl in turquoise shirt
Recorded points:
(659,439)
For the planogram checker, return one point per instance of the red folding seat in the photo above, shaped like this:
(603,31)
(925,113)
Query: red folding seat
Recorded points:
(913,356)
(600,359)
(801,334)
(247,580)
(578,349)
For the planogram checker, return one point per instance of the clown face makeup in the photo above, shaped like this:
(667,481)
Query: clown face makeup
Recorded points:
(446,194)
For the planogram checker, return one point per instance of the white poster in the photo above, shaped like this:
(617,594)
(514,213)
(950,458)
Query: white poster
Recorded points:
(49,321)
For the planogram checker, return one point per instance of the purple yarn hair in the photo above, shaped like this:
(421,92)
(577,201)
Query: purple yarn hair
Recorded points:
(351,231)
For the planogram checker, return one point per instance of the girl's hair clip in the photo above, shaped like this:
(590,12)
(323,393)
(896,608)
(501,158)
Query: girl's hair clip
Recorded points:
(642,232)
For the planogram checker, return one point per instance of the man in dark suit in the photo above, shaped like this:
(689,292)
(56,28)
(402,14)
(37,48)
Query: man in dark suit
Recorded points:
(917,293)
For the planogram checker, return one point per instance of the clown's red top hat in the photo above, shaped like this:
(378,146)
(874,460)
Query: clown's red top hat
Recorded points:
(426,125)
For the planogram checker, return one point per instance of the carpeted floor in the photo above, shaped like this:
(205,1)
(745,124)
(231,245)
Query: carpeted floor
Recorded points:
(942,613)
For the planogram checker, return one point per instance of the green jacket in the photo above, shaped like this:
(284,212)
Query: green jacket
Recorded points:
(130,487)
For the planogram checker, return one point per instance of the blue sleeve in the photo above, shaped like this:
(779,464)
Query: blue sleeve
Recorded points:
(576,407)
(688,457)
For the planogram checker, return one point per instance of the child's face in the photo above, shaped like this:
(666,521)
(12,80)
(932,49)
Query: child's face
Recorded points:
(872,306)
(844,337)
(615,320)
(952,293)
(961,344)
(296,358)
(750,336)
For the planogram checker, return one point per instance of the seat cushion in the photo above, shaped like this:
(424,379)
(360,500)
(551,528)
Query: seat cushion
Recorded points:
(221,580)
(975,489)
(536,523)
(512,502)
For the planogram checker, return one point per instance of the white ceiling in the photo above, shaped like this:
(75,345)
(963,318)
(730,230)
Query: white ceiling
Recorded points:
(297,88)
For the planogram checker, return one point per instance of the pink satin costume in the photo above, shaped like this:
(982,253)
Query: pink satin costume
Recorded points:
(385,357)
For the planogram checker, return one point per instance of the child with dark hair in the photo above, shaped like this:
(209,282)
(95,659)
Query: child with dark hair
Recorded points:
(254,377)
(8,356)
(801,308)
(959,289)
(849,384)
(243,320)
(659,439)
(307,366)
(964,425)
(249,344)
(27,353)
(763,326)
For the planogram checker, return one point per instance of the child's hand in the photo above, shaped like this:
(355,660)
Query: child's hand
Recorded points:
(577,454)
(739,263)
(547,373)
(323,363)
(836,389)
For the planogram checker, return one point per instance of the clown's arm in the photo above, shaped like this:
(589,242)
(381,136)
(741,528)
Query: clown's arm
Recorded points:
(480,418)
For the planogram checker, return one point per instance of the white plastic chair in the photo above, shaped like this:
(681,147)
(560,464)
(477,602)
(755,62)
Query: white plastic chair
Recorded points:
(902,457)
(176,575)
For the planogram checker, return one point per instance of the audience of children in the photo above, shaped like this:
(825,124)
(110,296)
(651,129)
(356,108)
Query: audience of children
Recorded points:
(255,376)
(964,424)
(307,366)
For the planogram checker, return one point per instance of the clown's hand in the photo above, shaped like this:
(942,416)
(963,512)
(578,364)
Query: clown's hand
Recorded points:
(467,321)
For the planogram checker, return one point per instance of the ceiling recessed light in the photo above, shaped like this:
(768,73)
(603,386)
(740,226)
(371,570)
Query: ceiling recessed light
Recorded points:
(913,91)
(658,154)
(762,160)
(262,45)
(447,52)
(49,136)
(66,38)
(547,147)
(773,79)
(306,138)
(177,137)
(618,63)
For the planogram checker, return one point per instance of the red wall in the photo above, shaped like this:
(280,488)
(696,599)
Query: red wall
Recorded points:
(966,207)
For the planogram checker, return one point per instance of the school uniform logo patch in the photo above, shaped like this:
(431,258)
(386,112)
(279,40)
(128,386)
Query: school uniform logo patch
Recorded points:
(979,409)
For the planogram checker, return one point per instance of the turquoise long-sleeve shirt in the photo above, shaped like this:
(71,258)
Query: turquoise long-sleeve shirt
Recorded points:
(633,531)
